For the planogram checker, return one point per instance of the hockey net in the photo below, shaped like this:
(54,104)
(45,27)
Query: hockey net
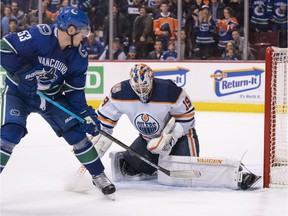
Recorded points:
(276,118)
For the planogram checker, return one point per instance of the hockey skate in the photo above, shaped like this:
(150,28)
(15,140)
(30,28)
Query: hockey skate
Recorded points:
(248,180)
(104,184)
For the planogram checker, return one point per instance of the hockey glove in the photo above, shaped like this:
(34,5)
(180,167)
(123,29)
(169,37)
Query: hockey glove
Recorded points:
(163,145)
(92,124)
(28,79)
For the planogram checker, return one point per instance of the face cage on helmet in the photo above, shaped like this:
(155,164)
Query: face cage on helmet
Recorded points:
(142,89)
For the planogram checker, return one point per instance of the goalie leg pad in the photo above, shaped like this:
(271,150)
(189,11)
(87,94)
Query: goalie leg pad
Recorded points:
(215,172)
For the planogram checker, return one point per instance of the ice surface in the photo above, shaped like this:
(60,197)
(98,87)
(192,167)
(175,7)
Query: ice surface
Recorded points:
(42,165)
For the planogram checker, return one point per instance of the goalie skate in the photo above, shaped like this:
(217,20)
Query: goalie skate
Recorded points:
(103,184)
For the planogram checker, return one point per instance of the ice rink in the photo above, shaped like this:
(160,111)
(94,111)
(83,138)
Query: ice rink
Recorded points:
(42,165)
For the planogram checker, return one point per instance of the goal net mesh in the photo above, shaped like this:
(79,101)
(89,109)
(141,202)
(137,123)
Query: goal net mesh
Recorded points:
(278,118)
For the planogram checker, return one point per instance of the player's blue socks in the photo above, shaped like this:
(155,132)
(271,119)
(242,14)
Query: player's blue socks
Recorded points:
(88,156)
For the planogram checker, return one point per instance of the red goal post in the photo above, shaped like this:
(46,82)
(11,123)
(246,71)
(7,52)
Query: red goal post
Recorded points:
(276,118)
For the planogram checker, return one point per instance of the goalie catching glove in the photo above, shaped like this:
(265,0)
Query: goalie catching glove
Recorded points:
(92,124)
(163,145)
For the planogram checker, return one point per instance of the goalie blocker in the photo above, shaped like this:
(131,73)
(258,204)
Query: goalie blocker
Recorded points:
(215,172)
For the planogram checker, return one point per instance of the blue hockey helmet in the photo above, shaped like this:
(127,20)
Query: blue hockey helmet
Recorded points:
(71,16)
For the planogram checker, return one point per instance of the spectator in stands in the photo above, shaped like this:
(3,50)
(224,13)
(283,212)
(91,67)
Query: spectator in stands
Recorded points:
(13,26)
(216,7)
(186,5)
(118,53)
(230,55)
(185,45)
(32,6)
(154,8)
(35,14)
(238,8)
(239,46)
(97,14)
(172,5)
(158,51)
(165,25)
(5,20)
(131,11)
(225,28)
(120,26)
(279,20)
(64,3)
(31,22)
(259,15)
(54,5)
(93,47)
(204,27)
(170,53)
(190,22)
(20,3)
(143,34)
(132,53)
(19,14)
(229,45)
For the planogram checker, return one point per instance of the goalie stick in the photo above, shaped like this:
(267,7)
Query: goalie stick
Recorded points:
(171,173)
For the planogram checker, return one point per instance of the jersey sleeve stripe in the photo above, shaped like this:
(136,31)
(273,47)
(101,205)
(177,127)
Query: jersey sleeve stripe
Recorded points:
(107,121)
(187,115)
(8,48)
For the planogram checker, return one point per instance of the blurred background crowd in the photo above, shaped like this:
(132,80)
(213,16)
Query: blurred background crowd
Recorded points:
(149,29)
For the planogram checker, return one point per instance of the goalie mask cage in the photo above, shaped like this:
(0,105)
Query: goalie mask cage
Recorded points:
(276,118)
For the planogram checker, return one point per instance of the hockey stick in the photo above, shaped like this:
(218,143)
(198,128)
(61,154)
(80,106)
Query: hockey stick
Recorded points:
(171,173)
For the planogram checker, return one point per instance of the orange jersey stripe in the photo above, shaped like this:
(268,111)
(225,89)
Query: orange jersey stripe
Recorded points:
(188,115)
(108,121)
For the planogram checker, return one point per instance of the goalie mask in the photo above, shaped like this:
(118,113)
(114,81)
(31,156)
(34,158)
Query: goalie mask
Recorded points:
(141,81)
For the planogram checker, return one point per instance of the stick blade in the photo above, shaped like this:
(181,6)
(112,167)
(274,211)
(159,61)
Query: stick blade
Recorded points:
(185,173)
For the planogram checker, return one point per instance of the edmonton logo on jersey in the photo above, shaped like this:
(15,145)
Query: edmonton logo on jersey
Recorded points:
(229,82)
(146,124)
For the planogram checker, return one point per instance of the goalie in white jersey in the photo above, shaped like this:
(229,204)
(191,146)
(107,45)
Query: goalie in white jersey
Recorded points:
(150,103)
(163,114)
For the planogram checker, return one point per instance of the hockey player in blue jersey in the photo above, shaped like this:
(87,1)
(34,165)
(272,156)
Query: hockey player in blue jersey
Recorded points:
(51,59)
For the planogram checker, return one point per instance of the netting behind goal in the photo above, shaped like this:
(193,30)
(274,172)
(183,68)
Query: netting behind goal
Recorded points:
(276,118)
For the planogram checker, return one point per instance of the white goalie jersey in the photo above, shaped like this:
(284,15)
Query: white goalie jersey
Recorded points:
(167,100)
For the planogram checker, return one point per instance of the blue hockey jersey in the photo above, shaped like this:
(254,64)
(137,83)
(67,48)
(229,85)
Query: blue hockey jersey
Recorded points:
(63,70)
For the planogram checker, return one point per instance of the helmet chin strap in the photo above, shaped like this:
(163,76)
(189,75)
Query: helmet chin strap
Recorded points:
(71,31)
(71,40)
